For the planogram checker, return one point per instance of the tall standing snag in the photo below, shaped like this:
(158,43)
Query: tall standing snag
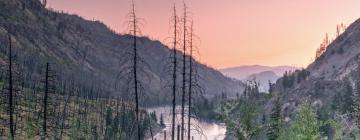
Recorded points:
(174,76)
(135,71)
(132,66)
(183,75)
(190,79)
(45,101)
(10,95)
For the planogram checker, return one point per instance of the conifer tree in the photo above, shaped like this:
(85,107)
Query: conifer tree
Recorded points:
(348,100)
(306,125)
(162,120)
(275,121)
(270,87)
(285,80)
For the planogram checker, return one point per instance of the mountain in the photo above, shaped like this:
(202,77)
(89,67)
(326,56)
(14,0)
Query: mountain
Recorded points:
(263,78)
(330,83)
(89,53)
(242,72)
(258,73)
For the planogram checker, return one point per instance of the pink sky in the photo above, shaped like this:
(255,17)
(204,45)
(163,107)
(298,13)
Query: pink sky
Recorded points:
(234,32)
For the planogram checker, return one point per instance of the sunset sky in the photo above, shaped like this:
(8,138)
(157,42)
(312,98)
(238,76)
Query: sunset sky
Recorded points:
(233,32)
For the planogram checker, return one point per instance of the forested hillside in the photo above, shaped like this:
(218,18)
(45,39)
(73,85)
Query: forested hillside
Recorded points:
(64,77)
(319,102)
(90,52)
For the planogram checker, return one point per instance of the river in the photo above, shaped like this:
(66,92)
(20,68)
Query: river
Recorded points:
(200,130)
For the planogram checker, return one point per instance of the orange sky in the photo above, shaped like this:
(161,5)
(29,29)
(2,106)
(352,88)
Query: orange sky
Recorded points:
(234,32)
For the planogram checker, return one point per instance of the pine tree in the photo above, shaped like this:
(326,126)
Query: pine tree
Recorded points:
(306,125)
(153,116)
(348,100)
(270,87)
(248,126)
(275,121)
(285,80)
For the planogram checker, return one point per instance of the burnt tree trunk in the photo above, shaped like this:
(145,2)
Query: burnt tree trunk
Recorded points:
(183,76)
(174,77)
(190,79)
(45,102)
(10,102)
(134,22)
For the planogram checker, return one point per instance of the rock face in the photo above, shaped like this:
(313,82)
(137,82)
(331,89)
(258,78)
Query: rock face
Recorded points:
(79,46)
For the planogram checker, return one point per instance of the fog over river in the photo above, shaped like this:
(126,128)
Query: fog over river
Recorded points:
(200,130)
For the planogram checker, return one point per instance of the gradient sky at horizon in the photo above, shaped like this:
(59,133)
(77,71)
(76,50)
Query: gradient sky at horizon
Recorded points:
(233,32)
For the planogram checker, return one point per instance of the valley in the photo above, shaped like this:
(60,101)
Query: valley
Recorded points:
(65,77)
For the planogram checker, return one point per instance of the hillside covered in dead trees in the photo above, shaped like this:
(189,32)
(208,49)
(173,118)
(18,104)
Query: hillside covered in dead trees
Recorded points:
(63,77)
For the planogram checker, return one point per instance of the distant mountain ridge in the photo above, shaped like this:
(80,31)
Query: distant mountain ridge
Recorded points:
(258,73)
(263,79)
(243,72)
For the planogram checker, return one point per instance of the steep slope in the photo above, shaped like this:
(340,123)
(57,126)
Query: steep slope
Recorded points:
(330,82)
(341,56)
(80,46)
(331,85)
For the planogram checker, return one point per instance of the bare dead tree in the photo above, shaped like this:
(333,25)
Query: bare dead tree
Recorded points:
(132,66)
(11,93)
(45,101)
(178,132)
(14,99)
(183,71)
(195,90)
(135,72)
(174,72)
(48,111)
(190,79)
(64,111)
